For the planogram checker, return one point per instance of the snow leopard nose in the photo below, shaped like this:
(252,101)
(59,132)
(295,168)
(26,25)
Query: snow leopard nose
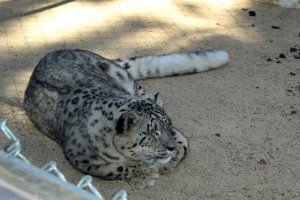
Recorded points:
(171,148)
(168,141)
(170,145)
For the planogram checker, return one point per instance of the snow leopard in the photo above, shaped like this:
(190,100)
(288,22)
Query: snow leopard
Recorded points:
(107,124)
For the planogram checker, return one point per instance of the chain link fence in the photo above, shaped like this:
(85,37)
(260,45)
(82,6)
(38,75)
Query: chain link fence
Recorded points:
(12,161)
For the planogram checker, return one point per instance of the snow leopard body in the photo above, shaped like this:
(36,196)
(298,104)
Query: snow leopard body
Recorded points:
(107,124)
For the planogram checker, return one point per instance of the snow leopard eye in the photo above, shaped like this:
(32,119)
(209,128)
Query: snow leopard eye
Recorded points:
(157,137)
(157,134)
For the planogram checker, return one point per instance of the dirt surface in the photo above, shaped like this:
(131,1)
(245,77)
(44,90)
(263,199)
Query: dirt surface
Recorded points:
(241,120)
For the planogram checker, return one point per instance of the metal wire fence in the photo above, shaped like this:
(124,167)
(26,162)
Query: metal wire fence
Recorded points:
(49,172)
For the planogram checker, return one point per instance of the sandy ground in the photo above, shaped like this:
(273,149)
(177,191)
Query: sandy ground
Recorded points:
(241,120)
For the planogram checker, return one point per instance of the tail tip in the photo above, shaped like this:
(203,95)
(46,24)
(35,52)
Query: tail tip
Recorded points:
(222,56)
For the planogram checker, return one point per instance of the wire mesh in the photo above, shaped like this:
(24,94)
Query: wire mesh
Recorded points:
(13,151)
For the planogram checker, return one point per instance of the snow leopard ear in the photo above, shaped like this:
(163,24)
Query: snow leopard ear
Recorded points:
(156,98)
(158,101)
(126,121)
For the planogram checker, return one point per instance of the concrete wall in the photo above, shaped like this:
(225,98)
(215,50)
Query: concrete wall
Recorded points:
(284,3)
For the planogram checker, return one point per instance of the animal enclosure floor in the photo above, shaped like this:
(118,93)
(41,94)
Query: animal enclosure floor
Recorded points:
(242,120)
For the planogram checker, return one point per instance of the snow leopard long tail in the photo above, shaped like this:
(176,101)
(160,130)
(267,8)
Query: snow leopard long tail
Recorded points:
(173,64)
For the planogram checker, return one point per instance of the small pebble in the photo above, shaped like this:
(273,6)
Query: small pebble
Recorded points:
(275,27)
(269,59)
(262,162)
(292,73)
(282,55)
(293,112)
(290,91)
(293,49)
(297,56)
(252,13)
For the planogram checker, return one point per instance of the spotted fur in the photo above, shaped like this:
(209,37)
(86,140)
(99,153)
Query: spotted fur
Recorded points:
(107,124)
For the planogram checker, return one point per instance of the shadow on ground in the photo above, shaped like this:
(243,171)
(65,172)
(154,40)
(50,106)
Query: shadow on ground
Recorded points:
(234,116)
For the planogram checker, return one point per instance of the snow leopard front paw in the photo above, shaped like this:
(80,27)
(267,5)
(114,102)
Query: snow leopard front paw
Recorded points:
(171,165)
(178,154)
(144,177)
(167,167)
